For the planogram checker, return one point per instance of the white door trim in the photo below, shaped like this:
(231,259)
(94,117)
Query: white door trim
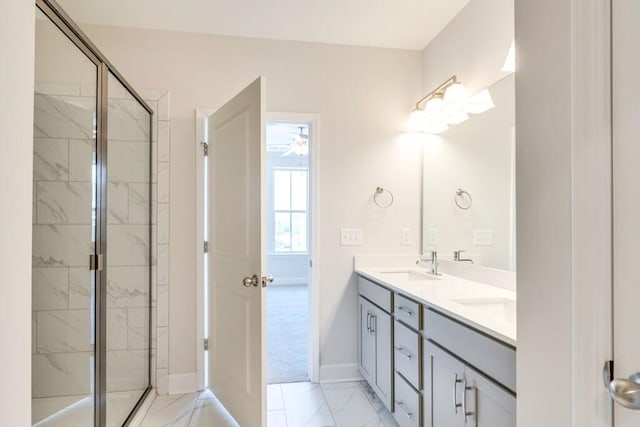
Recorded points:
(201,115)
(592,266)
(314,290)
(563,113)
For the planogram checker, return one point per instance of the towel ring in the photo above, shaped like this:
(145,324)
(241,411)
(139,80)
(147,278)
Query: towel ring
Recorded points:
(378,192)
(463,199)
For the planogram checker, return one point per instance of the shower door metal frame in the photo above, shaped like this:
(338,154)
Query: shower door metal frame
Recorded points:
(103,68)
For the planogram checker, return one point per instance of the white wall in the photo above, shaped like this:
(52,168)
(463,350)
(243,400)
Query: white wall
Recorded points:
(473,46)
(363,96)
(16,125)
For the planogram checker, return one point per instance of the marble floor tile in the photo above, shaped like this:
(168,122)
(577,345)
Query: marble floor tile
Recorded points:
(350,407)
(210,412)
(174,411)
(276,419)
(298,405)
(274,397)
(306,406)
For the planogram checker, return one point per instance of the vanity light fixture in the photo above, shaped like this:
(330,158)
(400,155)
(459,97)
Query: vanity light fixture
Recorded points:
(448,104)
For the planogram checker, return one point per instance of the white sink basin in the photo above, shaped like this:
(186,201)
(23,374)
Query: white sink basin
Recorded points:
(501,308)
(408,275)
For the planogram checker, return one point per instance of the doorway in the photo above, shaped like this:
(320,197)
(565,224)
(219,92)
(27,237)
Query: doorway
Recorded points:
(288,253)
(295,284)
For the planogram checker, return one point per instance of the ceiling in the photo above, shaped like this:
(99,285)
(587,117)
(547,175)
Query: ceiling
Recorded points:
(402,24)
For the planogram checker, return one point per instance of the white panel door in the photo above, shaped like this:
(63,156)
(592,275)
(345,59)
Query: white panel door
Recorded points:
(626,196)
(237,373)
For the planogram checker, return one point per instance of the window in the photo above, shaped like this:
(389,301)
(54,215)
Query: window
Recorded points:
(290,200)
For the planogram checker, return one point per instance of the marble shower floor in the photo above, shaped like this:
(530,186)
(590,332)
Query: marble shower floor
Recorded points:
(350,404)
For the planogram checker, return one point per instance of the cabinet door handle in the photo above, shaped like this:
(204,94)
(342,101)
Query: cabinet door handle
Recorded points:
(405,310)
(400,405)
(464,400)
(456,405)
(374,323)
(406,354)
(368,321)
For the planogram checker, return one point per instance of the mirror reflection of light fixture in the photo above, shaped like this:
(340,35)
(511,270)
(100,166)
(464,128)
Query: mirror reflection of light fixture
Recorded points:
(299,144)
(510,63)
(448,104)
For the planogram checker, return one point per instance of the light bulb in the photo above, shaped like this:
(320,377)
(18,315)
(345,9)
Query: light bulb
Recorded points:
(455,103)
(416,121)
(435,120)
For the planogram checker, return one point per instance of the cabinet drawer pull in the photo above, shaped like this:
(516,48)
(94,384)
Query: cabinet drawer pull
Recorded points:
(374,323)
(400,405)
(405,310)
(456,405)
(464,400)
(406,354)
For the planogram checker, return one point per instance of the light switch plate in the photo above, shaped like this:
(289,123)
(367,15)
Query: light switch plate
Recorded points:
(483,237)
(350,236)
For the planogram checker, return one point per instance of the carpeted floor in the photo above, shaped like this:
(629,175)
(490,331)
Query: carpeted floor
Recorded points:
(287,333)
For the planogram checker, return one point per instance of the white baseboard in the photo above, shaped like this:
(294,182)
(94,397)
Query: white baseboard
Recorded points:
(339,372)
(183,383)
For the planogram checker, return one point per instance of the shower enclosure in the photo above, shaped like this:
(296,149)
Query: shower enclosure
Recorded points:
(92,233)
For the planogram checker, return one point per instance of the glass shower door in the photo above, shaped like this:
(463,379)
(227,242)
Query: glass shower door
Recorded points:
(128,252)
(64,230)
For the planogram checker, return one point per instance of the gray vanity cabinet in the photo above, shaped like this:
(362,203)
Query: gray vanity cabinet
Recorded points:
(494,407)
(374,349)
(442,388)
(458,395)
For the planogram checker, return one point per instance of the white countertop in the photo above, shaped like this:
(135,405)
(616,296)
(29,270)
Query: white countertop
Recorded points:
(487,308)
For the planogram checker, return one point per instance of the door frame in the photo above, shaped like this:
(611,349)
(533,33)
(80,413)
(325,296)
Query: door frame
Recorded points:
(201,115)
(565,277)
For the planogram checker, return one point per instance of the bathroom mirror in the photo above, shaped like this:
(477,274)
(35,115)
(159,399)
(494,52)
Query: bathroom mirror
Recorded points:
(469,186)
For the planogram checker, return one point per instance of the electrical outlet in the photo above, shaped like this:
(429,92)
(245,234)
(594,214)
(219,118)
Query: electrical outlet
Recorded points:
(350,236)
(483,237)
(405,238)
(433,236)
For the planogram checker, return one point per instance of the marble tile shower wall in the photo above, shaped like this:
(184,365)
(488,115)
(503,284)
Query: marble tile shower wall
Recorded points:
(62,328)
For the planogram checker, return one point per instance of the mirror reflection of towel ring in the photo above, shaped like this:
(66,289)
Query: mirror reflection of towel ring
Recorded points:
(378,193)
(463,199)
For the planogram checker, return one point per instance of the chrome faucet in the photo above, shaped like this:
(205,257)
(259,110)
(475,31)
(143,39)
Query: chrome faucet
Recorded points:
(434,263)
(457,256)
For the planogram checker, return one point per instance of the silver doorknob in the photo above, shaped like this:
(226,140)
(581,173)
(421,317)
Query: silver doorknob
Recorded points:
(624,391)
(266,280)
(250,281)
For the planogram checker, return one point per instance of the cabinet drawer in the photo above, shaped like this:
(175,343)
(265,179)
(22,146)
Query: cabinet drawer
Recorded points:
(490,356)
(408,312)
(377,294)
(408,404)
(407,354)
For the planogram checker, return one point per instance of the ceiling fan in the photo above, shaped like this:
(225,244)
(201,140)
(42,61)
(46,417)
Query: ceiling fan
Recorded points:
(299,144)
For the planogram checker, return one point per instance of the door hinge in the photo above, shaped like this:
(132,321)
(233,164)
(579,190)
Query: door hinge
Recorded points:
(205,247)
(205,149)
(96,262)
(206,344)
